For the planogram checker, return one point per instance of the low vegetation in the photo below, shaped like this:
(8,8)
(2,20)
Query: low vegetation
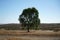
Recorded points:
(55,27)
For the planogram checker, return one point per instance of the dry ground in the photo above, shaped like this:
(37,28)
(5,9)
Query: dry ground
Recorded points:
(24,35)
(32,32)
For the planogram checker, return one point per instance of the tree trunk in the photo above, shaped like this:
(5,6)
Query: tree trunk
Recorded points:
(28,28)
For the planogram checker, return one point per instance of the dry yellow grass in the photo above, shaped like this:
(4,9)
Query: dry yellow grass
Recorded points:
(32,35)
(14,38)
(32,32)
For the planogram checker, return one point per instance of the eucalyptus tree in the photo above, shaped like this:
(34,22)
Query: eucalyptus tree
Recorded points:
(29,18)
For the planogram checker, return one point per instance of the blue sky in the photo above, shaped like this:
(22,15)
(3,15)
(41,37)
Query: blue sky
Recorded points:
(49,10)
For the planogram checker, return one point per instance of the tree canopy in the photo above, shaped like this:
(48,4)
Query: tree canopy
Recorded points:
(29,18)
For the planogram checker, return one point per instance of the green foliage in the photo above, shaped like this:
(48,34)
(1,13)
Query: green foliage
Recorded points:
(29,18)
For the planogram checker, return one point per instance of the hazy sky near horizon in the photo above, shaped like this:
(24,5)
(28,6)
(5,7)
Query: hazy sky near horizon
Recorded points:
(49,10)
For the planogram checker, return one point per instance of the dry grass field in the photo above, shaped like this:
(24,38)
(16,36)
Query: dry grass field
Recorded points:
(24,35)
(32,32)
